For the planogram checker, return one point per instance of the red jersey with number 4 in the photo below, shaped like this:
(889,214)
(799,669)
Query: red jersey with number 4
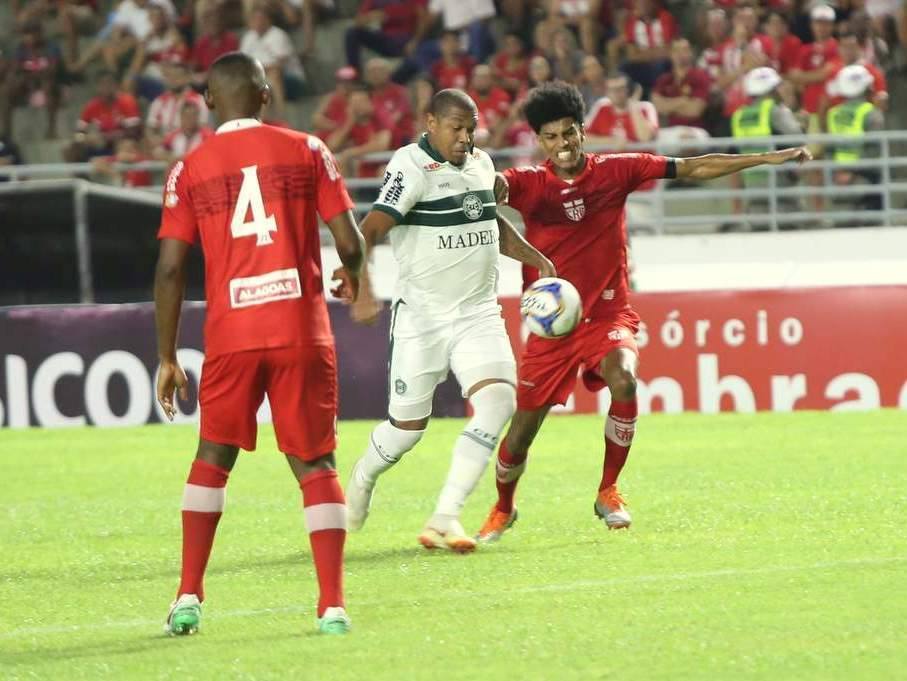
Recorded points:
(581,225)
(252,194)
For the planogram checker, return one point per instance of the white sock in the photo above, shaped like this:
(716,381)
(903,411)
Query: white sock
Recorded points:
(492,406)
(386,445)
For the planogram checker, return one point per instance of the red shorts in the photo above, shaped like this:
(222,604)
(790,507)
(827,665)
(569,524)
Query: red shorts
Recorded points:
(301,385)
(548,367)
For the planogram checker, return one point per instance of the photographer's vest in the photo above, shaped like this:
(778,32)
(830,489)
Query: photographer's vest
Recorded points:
(849,119)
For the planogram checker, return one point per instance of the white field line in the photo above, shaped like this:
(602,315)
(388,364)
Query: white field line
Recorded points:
(579,585)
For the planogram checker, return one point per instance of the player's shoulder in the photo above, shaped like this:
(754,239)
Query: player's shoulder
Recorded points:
(411,158)
(525,172)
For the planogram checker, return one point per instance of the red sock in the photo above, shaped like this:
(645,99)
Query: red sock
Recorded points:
(509,468)
(619,429)
(203,504)
(325,517)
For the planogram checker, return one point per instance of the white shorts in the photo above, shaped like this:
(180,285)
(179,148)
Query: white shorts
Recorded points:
(424,350)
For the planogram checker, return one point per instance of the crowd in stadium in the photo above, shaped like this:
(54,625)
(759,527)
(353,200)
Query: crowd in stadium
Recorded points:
(676,71)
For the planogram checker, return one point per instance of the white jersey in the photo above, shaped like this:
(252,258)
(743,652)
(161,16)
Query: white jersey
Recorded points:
(446,240)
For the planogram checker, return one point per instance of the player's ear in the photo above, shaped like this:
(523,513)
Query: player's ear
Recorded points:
(431,123)
(209,100)
(266,95)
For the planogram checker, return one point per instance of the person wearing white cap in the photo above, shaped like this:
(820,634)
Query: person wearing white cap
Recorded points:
(817,62)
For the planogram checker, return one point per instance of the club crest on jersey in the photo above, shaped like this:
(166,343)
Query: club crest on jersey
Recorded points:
(473,206)
(575,209)
(399,386)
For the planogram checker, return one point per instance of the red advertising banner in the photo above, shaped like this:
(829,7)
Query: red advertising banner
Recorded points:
(777,350)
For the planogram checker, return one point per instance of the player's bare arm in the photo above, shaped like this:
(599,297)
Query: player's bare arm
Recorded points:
(169,289)
(501,189)
(375,227)
(710,166)
(514,245)
(350,247)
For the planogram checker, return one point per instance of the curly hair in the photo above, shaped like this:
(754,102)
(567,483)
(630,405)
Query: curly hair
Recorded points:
(553,101)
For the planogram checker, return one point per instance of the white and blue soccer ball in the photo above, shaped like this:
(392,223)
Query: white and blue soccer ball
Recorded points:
(551,307)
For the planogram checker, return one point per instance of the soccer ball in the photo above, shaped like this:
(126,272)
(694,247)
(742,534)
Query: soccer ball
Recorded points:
(551,307)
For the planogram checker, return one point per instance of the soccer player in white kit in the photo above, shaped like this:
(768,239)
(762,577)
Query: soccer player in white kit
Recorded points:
(438,205)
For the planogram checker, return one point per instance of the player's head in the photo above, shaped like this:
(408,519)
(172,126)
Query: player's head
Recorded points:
(451,124)
(237,87)
(555,111)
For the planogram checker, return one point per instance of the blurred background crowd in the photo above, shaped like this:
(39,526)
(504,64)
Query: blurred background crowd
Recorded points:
(101,81)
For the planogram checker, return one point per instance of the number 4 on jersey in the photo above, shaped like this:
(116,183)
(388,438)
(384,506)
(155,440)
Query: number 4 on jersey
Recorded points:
(251,201)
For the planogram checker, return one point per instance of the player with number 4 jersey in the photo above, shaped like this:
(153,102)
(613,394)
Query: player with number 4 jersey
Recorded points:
(251,196)
(573,206)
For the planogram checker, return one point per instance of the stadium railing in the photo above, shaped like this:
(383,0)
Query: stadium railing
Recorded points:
(777,203)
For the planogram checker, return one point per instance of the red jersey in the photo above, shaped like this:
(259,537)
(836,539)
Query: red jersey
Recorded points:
(731,60)
(110,117)
(815,56)
(695,84)
(252,195)
(401,17)
(506,66)
(208,48)
(658,32)
(393,101)
(607,121)
(164,112)
(784,54)
(452,75)
(581,225)
(494,106)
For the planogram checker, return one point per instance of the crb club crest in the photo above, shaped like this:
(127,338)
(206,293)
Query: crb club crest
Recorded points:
(473,206)
(575,209)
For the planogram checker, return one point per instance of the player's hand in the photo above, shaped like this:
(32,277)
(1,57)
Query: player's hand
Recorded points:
(171,377)
(799,155)
(501,189)
(347,291)
(366,308)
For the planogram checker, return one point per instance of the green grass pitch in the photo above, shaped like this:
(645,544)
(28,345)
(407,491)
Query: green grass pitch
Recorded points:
(767,546)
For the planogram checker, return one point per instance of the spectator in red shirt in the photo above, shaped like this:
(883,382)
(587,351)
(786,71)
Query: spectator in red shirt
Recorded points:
(390,99)
(817,64)
(187,137)
(647,36)
(716,31)
(331,111)
(852,54)
(392,28)
(164,113)
(493,103)
(127,152)
(106,118)
(364,131)
(33,79)
(215,40)
(682,95)
(621,118)
(511,64)
(452,70)
(744,51)
(783,46)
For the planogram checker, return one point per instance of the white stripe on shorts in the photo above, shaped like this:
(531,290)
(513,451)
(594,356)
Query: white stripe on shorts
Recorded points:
(204,499)
(325,517)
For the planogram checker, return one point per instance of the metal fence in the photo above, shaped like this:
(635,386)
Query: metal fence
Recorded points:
(787,196)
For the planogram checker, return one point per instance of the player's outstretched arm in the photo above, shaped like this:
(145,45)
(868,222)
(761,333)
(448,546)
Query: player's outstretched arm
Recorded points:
(710,166)
(513,245)
(169,289)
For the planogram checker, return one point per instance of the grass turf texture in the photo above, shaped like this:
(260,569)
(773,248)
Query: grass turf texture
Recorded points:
(769,546)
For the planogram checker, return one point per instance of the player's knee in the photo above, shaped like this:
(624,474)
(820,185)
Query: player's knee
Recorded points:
(393,442)
(495,402)
(622,384)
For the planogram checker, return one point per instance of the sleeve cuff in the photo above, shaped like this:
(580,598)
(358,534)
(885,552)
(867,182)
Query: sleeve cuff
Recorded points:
(389,211)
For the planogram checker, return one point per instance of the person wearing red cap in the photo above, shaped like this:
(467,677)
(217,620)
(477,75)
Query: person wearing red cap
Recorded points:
(331,111)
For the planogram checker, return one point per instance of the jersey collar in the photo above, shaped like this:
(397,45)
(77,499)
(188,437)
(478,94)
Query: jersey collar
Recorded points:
(425,146)
(238,124)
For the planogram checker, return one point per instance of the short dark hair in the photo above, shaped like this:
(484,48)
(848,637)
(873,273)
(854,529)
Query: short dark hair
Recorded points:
(553,101)
(451,98)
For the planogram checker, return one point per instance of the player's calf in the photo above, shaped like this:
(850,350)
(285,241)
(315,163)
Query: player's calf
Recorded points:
(387,445)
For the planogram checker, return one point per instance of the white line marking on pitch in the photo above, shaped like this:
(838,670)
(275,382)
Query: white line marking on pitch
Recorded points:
(542,588)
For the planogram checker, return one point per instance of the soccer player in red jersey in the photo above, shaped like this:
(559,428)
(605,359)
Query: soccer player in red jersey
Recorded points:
(249,195)
(573,206)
